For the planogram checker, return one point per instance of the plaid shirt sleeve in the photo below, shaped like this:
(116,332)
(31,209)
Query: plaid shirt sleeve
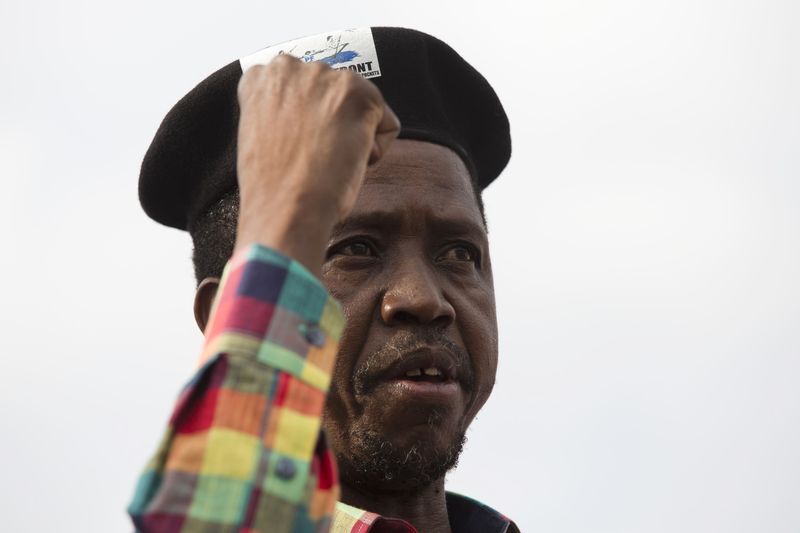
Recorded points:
(243,450)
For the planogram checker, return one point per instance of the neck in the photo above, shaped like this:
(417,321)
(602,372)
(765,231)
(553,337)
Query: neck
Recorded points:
(425,509)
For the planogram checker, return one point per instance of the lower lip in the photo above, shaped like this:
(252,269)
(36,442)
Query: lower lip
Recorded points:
(424,390)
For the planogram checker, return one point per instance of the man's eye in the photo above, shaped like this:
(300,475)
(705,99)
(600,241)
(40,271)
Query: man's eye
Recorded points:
(460,252)
(357,248)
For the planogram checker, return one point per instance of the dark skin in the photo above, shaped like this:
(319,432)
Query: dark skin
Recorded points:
(409,261)
(417,262)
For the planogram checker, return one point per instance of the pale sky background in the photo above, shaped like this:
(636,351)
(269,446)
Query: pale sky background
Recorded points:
(645,239)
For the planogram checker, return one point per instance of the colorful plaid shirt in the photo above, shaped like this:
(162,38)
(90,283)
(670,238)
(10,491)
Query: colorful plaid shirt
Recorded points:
(244,451)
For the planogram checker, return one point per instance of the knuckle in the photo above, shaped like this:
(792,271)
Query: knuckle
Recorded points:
(352,85)
(253,71)
(249,79)
(351,81)
(319,66)
(282,63)
(366,93)
(283,60)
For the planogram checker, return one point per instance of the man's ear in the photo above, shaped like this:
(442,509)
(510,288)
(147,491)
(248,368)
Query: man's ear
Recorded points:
(204,300)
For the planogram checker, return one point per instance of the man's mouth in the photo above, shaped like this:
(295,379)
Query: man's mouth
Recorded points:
(423,391)
(434,365)
(429,375)
(425,374)
(415,366)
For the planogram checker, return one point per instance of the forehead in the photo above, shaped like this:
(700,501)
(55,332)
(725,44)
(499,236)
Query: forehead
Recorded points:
(418,179)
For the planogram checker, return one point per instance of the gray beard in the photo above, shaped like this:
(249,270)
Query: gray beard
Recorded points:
(375,464)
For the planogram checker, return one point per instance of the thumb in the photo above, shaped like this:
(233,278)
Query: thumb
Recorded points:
(387,130)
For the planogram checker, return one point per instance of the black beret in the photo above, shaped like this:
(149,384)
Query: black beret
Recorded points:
(437,95)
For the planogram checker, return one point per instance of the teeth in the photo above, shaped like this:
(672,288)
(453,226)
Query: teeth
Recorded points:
(426,371)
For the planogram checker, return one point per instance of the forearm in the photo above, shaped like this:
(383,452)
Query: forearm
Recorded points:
(243,444)
(285,225)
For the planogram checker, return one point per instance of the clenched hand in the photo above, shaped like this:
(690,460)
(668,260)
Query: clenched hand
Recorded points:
(306,136)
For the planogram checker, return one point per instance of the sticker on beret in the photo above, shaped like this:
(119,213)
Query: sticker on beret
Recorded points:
(346,49)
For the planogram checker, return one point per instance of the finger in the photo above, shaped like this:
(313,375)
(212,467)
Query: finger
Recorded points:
(385,133)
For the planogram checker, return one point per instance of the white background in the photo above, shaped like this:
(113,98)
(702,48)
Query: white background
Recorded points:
(645,240)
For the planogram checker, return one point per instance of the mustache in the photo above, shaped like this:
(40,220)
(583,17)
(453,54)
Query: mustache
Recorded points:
(370,372)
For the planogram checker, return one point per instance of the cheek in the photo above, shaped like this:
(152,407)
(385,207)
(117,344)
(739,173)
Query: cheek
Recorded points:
(478,328)
(358,308)
(342,283)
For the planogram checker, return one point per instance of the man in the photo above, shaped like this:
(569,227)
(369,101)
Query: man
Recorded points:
(310,183)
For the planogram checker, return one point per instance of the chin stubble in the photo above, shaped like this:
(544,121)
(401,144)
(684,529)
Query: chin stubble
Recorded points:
(375,463)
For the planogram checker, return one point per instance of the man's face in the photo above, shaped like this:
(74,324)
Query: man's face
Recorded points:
(418,356)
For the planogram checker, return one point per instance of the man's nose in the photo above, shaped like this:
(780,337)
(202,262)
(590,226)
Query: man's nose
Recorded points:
(413,296)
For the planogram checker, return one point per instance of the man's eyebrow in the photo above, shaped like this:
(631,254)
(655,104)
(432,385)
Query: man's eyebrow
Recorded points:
(388,220)
(374,221)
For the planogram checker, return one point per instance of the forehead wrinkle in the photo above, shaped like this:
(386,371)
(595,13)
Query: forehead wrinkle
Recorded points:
(423,179)
(445,163)
(420,159)
(424,220)
(390,202)
(381,220)
(457,191)
(430,178)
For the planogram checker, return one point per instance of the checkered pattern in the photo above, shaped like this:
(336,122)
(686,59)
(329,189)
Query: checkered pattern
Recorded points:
(349,519)
(466,516)
(243,451)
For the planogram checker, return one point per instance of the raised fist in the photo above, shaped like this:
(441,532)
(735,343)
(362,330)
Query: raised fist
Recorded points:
(306,136)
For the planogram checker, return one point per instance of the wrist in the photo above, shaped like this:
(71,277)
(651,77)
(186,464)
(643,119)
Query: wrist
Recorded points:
(299,232)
